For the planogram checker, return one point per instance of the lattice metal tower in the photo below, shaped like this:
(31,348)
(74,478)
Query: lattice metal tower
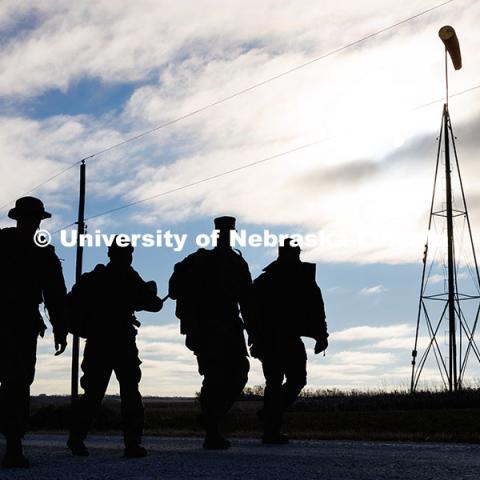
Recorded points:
(449,259)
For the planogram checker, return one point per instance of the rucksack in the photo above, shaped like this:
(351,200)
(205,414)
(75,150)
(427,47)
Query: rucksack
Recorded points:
(80,303)
(184,286)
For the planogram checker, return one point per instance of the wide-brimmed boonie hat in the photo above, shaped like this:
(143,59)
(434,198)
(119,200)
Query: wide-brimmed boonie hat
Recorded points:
(28,207)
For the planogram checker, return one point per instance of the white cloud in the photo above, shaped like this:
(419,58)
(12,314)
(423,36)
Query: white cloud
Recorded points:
(377,289)
(125,41)
(438,278)
(365,332)
(366,190)
(170,332)
(169,368)
(183,64)
(352,358)
(405,343)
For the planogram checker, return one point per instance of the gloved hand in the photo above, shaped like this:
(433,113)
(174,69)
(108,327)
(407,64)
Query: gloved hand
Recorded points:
(321,345)
(152,286)
(256,351)
(60,343)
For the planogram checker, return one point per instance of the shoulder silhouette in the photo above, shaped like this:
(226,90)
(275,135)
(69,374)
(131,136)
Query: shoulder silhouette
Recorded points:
(102,308)
(213,290)
(289,306)
(29,275)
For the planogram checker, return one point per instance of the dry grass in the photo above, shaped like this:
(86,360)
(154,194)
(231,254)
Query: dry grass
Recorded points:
(331,414)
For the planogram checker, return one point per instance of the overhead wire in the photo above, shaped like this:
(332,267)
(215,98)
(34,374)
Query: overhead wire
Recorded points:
(232,96)
(53,177)
(200,181)
(221,174)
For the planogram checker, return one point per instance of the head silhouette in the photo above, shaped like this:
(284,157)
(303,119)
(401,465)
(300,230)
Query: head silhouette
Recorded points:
(28,212)
(224,225)
(120,253)
(289,251)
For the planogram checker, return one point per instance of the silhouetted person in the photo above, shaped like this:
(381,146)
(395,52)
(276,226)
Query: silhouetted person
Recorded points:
(212,287)
(104,302)
(289,306)
(29,275)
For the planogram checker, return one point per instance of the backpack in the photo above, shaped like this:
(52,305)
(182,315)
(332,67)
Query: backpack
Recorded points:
(185,286)
(80,303)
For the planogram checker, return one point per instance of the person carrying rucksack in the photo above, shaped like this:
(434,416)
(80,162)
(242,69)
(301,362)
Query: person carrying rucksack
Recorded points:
(101,307)
(289,306)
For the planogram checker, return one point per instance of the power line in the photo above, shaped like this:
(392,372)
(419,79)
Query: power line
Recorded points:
(457,94)
(203,180)
(268,80)
(53,177)
(242,167)
(236,94)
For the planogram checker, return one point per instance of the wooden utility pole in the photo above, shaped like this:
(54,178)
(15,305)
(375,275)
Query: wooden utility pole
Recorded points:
(78,274)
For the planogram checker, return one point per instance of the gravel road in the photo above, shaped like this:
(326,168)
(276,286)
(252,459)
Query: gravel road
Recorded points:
(183,458)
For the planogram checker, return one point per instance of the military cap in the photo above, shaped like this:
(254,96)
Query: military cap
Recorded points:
(28,207)
(288,249)
(225,223)
(116,247)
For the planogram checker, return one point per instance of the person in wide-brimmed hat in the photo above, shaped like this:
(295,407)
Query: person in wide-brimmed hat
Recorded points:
(29,275)
(28,207)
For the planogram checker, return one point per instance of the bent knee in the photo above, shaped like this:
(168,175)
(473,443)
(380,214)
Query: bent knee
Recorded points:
(297,383)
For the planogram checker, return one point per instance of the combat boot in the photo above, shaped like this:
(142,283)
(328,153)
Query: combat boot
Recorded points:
(77,447)
(274,438)
(272,430)
(216,442)
(134,450)
(14,457)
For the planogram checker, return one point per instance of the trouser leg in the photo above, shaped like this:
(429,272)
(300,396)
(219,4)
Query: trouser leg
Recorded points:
(128,373)
(295,373)
(14,400)
(273,396)
(288,361)
(235,380)
(97,369)
(224,380)
(17,371)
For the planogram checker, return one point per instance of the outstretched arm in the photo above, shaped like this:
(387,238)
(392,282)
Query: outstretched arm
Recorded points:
(147,298)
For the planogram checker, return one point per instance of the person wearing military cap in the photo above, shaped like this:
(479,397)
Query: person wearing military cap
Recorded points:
(106,299)
(29,275)
(289,306)
(213,290)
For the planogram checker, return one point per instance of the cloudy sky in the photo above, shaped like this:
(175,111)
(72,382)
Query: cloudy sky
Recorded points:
(79,77)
